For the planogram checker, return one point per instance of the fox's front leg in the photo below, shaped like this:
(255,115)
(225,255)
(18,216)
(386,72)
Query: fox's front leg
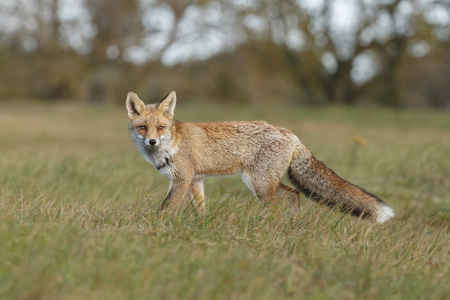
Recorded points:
(197,195)
(177,190)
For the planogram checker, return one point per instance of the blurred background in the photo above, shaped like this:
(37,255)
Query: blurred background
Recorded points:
(304,52)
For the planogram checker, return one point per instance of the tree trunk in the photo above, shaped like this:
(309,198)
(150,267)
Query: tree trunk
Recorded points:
(340,88)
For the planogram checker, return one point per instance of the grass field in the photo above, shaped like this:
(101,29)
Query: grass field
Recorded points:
(78,211)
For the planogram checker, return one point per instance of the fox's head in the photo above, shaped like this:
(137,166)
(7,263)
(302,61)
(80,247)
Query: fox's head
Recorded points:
(151,124)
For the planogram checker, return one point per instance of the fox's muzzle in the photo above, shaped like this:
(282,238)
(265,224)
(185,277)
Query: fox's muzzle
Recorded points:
(151,142)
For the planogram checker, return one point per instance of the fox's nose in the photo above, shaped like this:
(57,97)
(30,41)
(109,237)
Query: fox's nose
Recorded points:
(152,142)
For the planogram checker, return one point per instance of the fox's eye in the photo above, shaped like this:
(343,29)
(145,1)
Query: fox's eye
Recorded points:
(160,128)
(142,127)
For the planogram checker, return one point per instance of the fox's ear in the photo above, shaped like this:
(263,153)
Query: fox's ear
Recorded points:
(167,105)
(135,106)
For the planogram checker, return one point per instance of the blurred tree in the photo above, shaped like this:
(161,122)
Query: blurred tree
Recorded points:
(310,52)
(325,59)
(118,27)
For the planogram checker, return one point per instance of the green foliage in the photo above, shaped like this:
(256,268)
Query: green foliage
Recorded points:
(78,212)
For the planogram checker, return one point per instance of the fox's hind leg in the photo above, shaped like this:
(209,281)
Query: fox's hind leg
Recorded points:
(197,196)
(292,196)
(263,188)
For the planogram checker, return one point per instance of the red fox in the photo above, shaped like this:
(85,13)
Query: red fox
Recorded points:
(262,153)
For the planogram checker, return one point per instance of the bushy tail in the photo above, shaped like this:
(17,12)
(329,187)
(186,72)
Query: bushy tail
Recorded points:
(321,184)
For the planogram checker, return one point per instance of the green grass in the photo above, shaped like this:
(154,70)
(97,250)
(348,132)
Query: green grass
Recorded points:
(78,212)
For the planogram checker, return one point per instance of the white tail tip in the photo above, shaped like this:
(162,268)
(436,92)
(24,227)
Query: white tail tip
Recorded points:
(384,214)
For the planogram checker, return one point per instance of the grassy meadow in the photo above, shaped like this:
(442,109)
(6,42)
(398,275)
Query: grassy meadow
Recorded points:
(78,211)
